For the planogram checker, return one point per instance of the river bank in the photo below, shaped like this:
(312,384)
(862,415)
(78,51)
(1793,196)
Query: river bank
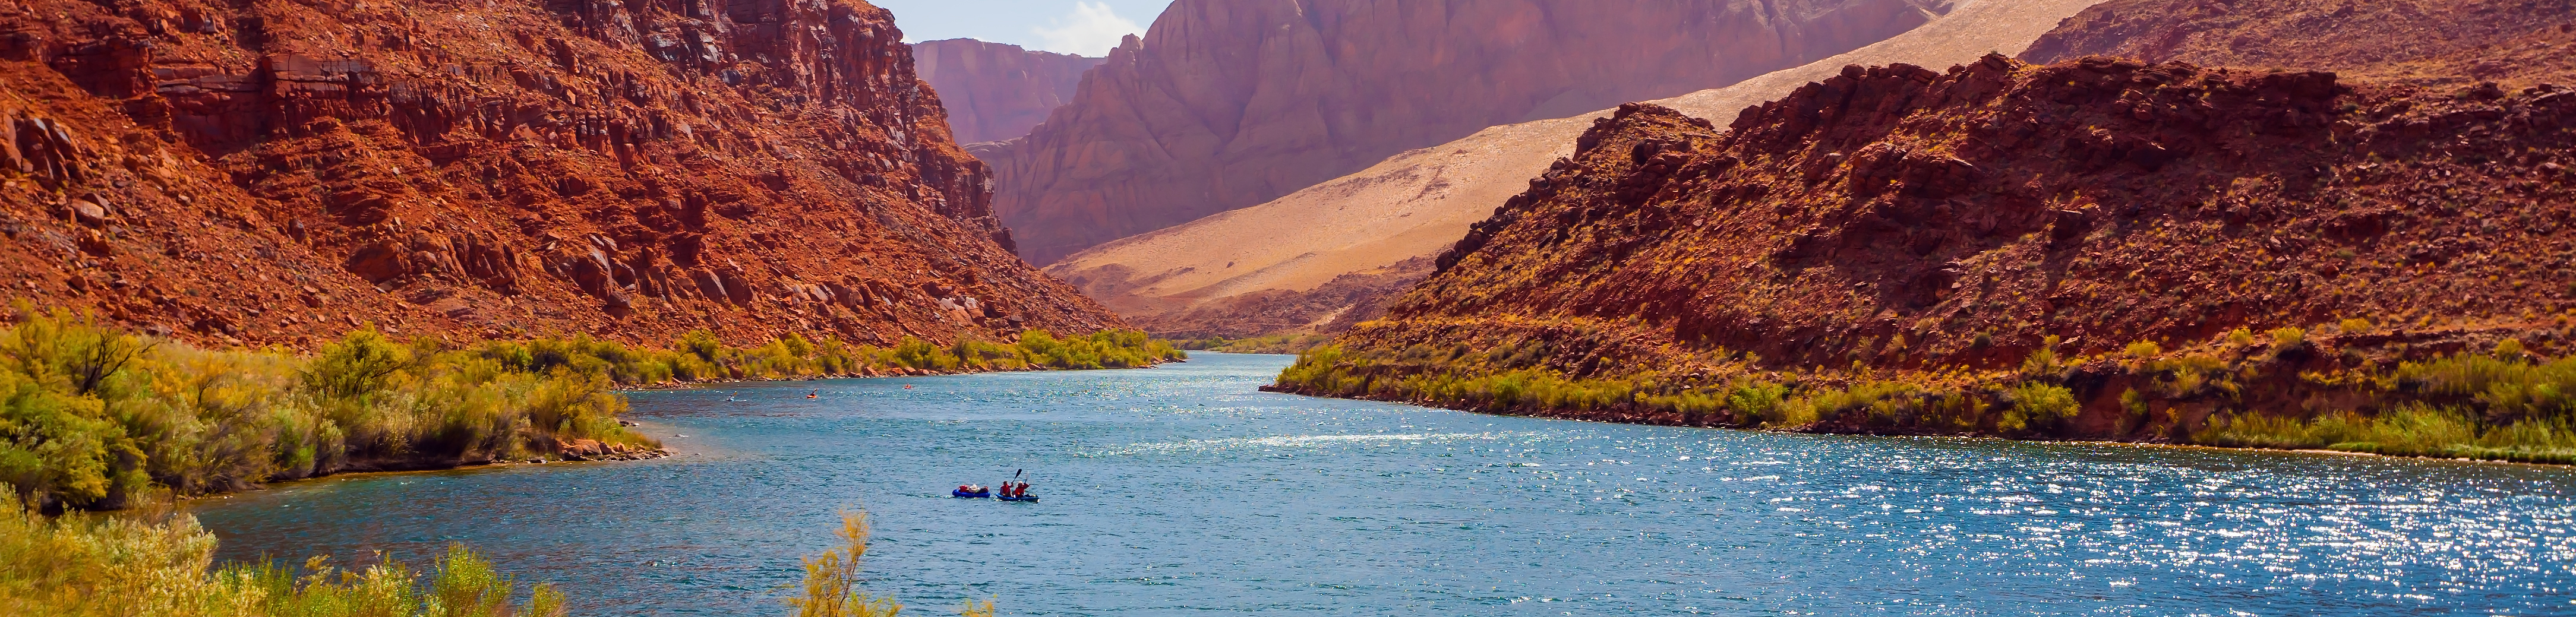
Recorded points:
(2477,393)
(1185,490)
(1637,416)
(94,416)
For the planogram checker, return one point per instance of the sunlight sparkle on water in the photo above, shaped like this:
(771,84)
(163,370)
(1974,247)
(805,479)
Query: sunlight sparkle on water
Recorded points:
(1182,490)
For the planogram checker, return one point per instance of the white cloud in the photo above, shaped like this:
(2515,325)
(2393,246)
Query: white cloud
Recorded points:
(1092,30)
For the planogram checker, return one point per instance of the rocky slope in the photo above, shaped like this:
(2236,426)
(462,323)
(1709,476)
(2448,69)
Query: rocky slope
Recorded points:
(995,92)
(2379,39)
(1959,232)
(1229,104)
(1199,278)
(272,172)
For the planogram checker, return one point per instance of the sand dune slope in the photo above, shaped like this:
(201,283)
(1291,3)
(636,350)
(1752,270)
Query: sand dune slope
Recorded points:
(1418,203)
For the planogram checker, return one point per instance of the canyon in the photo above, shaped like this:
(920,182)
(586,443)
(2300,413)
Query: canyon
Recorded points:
(276,173)
(994,91)
(1316,259)
(1930,247)
(1223,105)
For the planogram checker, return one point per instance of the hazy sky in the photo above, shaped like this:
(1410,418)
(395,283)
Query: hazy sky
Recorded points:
(1086,27)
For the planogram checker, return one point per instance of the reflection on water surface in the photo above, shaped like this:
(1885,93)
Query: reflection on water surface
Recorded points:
(1182,490)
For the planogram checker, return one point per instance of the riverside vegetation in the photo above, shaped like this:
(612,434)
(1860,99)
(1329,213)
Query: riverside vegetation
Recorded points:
(2285,389)
(91,416)
(1271,344)
(160,564)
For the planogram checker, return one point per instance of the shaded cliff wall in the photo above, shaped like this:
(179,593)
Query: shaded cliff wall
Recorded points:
(994,91)
(1227,104)
(1346,246)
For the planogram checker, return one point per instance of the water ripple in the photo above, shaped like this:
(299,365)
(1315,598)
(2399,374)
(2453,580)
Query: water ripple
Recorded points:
(1182,490)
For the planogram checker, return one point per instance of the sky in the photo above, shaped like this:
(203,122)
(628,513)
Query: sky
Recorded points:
(1085,27)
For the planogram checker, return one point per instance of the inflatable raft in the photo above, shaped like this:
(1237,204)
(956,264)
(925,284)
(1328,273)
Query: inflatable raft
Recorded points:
(962,494)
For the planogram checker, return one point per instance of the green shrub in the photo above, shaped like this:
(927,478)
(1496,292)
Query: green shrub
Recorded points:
(1886,402)
(360,364)
(1758,400)
(2505,388)
(2043,363)
(2289,338)
(90,415)
(2144,349)
(81,565)
(2509,349)
(2413,430)
(2045,402)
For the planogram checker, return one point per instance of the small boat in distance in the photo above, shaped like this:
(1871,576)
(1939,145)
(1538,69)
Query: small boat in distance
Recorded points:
(1016,489)
(814,394)
(971,491)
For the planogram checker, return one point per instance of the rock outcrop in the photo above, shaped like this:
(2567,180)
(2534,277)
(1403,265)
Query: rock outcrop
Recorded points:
(1227,104)
(995,92)
(277,172)
(1921,231)
(2377,38)
(1219,275)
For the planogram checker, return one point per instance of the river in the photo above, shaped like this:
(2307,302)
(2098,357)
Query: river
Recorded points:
(1183,490)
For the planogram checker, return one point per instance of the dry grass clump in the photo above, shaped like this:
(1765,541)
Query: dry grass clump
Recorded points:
(831,587)
(86,565)
(162,565)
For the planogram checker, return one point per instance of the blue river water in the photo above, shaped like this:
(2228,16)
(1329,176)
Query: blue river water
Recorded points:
(1183,490)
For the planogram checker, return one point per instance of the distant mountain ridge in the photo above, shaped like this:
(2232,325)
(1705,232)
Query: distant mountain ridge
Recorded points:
(1253,271)
(995,91)
(1226,104)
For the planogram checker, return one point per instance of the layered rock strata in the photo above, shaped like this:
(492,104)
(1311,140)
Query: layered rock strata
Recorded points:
(995,92)
(1228,104)
(1192,278)
(275,172)
(1950,227)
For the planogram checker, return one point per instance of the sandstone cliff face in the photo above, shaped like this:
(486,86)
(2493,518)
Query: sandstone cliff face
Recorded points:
(1228,104)
(1903,219)
(994,91)
(276,171)
(1279,267)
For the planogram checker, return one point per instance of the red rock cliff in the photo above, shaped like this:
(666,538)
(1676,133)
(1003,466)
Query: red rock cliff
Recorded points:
(1228,104)
(1927,225)
(994,91)
(2305,34)
(274,171)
